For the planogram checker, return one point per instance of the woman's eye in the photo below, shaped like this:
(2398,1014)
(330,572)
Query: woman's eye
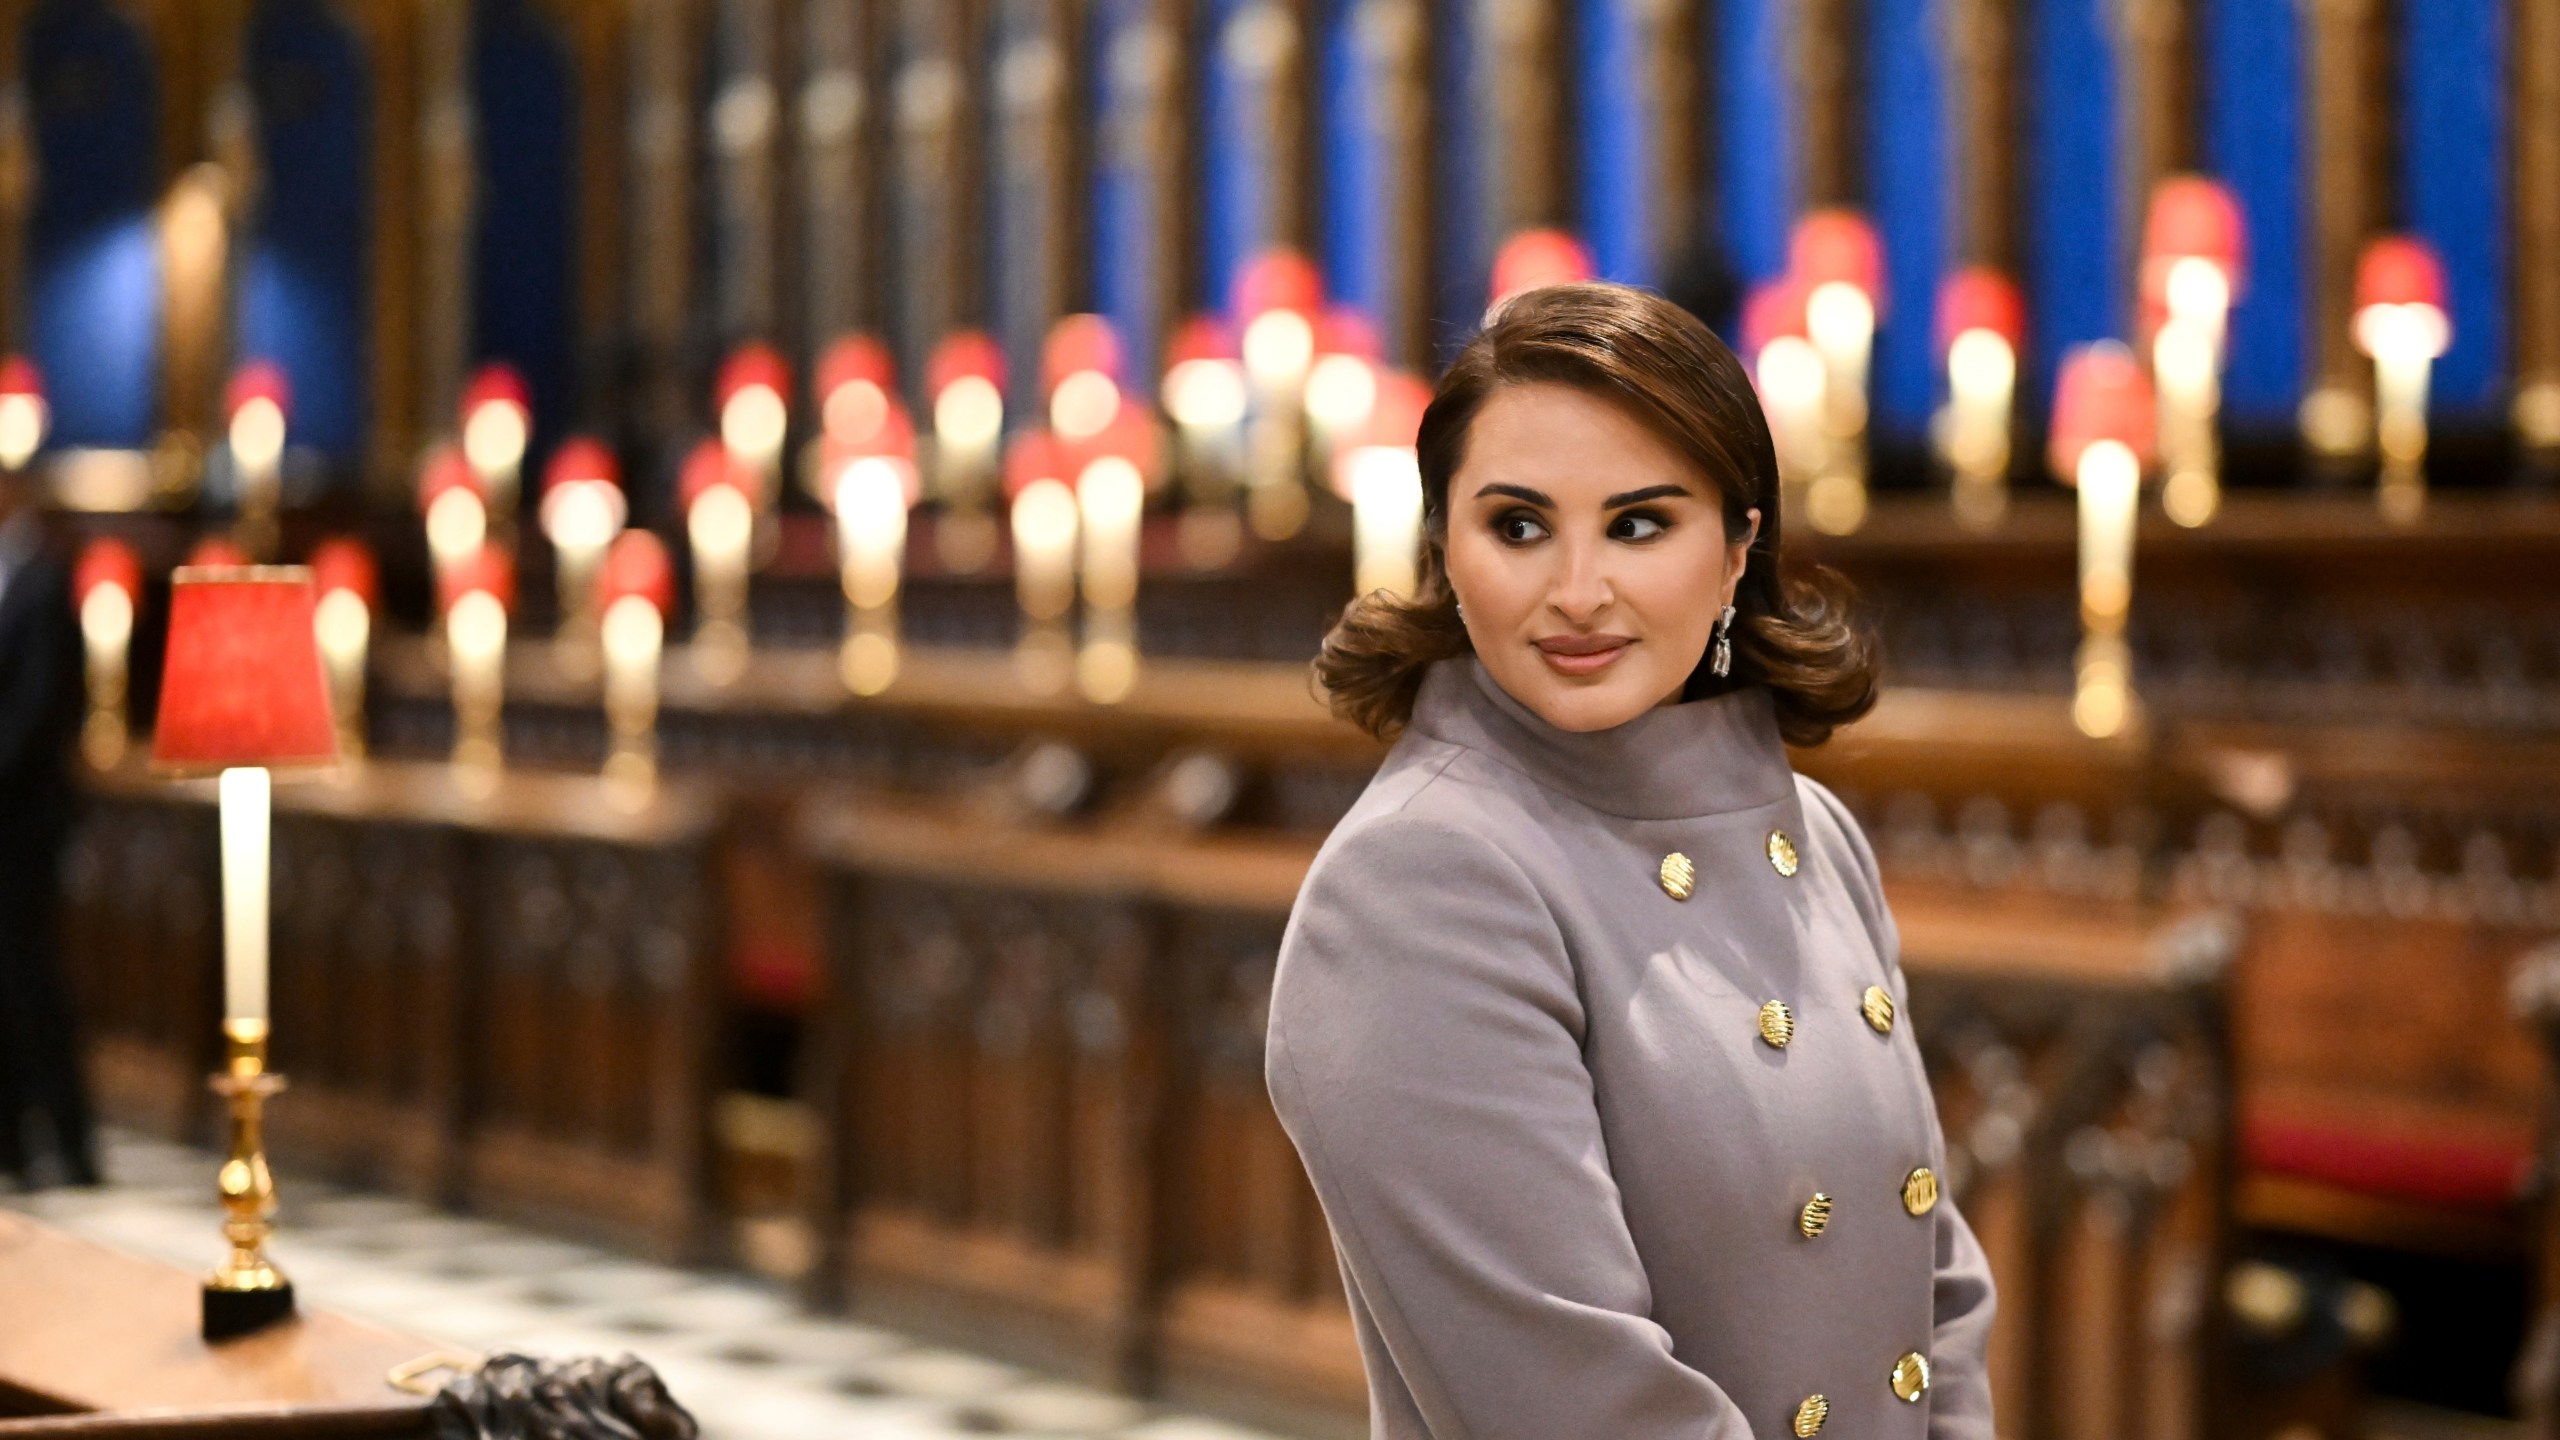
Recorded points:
(1519,527)
(1637,525)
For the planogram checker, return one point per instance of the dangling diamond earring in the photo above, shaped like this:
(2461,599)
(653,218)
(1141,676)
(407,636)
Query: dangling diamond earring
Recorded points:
(1722,663)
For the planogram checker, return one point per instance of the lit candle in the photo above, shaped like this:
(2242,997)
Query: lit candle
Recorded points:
(244,799)
(1205,397)
(1277,297)
(344,577)
(1111,498)
(2103,425)
(635,589)
(2401,323)
(1788,372)
(24,416)
(755,418)
(1835,255)
(475,603)
(1044,559)
(1980,321)
(497,422)
(582,510)
(719,519)
(454,509)
(258,400)
(965,385)
(2192,245)
(1381,476)
(872,493)
(104,585)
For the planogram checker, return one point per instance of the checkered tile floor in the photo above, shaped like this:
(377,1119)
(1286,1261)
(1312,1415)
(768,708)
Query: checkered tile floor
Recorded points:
(740,1356)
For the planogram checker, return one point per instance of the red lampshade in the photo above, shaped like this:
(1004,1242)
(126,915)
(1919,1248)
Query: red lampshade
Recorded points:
(964,354)
(495,384)
(1535,259)
(2101,393)
(1396,419)
(851,358)
(1773,308)
(582,458)
(107,561)
(1981,298)
(1342,330)
(1033,455)
(342,562)
(2399,270)
(1131,436)
(637,565)
(709,465)
(1838,245)
(216,552)
(445,469)
(754,363)
(19,376)
(242,683)
(1202,337)
(258,380)
(894,436)
(487,570)
(1280,279)
(1078,343)
(2191,217)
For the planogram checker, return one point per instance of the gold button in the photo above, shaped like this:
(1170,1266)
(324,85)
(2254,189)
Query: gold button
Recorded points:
(1679,877)
(1877,1006)
(1816,1217)
(1911,1376)
(1920,1191)
(1810,1415)
(1777,1024)
(1782,853)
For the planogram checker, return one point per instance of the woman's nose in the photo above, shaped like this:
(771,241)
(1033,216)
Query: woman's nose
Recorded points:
(1582,590)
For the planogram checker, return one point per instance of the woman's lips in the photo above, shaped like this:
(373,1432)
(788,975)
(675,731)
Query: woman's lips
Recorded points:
(1579,655)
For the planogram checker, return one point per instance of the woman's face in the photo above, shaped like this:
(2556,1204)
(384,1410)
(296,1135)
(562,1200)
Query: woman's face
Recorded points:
(1589,559)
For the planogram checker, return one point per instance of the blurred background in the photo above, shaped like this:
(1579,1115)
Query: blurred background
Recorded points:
(822,509)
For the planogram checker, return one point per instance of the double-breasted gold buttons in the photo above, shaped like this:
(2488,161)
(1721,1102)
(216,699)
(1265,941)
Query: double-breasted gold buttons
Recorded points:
(1920,1191)
(1679,877)
(1815,1217)
(1782,853)
(1777,1024)
(1911,1376)
(1877,1006)
(1810,1415)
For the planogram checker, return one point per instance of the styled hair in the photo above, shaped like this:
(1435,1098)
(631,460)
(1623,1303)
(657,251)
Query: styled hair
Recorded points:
(1793,631)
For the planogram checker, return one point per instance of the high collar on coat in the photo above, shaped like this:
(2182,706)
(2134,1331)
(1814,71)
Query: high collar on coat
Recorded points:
(1699,757)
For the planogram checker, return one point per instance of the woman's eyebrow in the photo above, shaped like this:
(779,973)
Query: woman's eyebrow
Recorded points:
(1650,492)
(1519,492)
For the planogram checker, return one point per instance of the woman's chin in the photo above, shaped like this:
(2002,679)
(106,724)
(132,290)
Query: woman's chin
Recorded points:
(1612,697)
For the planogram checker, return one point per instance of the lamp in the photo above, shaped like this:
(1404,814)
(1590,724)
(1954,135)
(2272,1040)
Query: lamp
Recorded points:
(454,507)
(349,589)
(964,385)
(1111,473)
(1981,322)
(1380,474)
(24,416)
(1835,256)
(870,487)
(1080,374)
(1276,299)
(1533,260)
(497,423)
(1790,376)
(1044,559)
(2191,256)
(582,510)
(2103,426)
(2401,323)
(755,416)
(257,402)
(635,591)
(717,496)
(106,584)
(1205,397)
(1342,384)
(474,598)
(241,692)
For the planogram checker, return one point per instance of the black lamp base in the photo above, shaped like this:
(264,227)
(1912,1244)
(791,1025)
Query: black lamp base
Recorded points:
(231,1313)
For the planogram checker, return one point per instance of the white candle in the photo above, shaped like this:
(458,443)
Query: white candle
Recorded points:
(871,542)
(1044,548)
(2110,477)
(1386,518)
(244,802)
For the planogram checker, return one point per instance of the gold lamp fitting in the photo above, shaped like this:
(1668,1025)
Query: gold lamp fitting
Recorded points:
(246,1292)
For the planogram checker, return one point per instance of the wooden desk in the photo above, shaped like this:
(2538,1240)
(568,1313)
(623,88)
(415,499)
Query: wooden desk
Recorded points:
(99,1344)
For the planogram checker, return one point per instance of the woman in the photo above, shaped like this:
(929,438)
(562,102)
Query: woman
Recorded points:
(1588,1022)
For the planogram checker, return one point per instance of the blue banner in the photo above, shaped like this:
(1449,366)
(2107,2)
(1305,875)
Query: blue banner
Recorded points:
(2253,137)
(2453,173)
(1250,44)
(1756,133)
(2077,257)
(1134,76)
(1908,189)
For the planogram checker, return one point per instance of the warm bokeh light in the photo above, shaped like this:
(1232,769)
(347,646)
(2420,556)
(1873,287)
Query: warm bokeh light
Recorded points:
(1083,405)
(257,434)
(969,413)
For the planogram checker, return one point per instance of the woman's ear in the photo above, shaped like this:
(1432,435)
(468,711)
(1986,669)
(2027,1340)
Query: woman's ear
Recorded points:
(1737,554)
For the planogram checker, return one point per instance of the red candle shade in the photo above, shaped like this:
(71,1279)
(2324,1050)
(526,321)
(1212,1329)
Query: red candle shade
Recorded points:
(1032,456)
(19,376)
(1079,343)
(855,379)
(1397,419)
(582,460)
(242,684)
(637,565)
(258,380)
(107,561)
(1981,298)
(1773,308)
(1535,259)
(1130,436)
(709,465)
(1202,337)
(496,384)
(963,355)
(342,562)
(487,571)
(1342,330)
(2100,394)
(1280,279)
(2191,217)
(445,469)
(749,366)
(894,436)
(2399,270)
(216,552)
(1838,246)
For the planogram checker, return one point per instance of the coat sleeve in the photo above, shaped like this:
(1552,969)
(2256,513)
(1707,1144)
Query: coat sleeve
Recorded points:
(1425,1055)
(1963,1298)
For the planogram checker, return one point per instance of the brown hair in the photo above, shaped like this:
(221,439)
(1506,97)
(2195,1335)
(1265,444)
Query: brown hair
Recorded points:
(1792,633)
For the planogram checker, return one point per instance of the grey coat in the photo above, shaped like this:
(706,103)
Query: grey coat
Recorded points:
(1570,1172)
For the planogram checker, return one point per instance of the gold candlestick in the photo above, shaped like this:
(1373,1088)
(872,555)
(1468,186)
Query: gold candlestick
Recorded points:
(246,1292)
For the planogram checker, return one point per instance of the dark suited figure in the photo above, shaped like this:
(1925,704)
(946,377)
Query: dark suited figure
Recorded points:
(40,709)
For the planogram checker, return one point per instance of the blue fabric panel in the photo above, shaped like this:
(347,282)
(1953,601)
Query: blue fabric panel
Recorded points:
(1356,209)
(2076,261)
(1755,125)
(1238,167)
(1907,190)
(2252,139)
(1618,157)
(1020,203)
(302,301)
(93,258)
(522,272)
(2453,158)
(1460,209)
(1125,262)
